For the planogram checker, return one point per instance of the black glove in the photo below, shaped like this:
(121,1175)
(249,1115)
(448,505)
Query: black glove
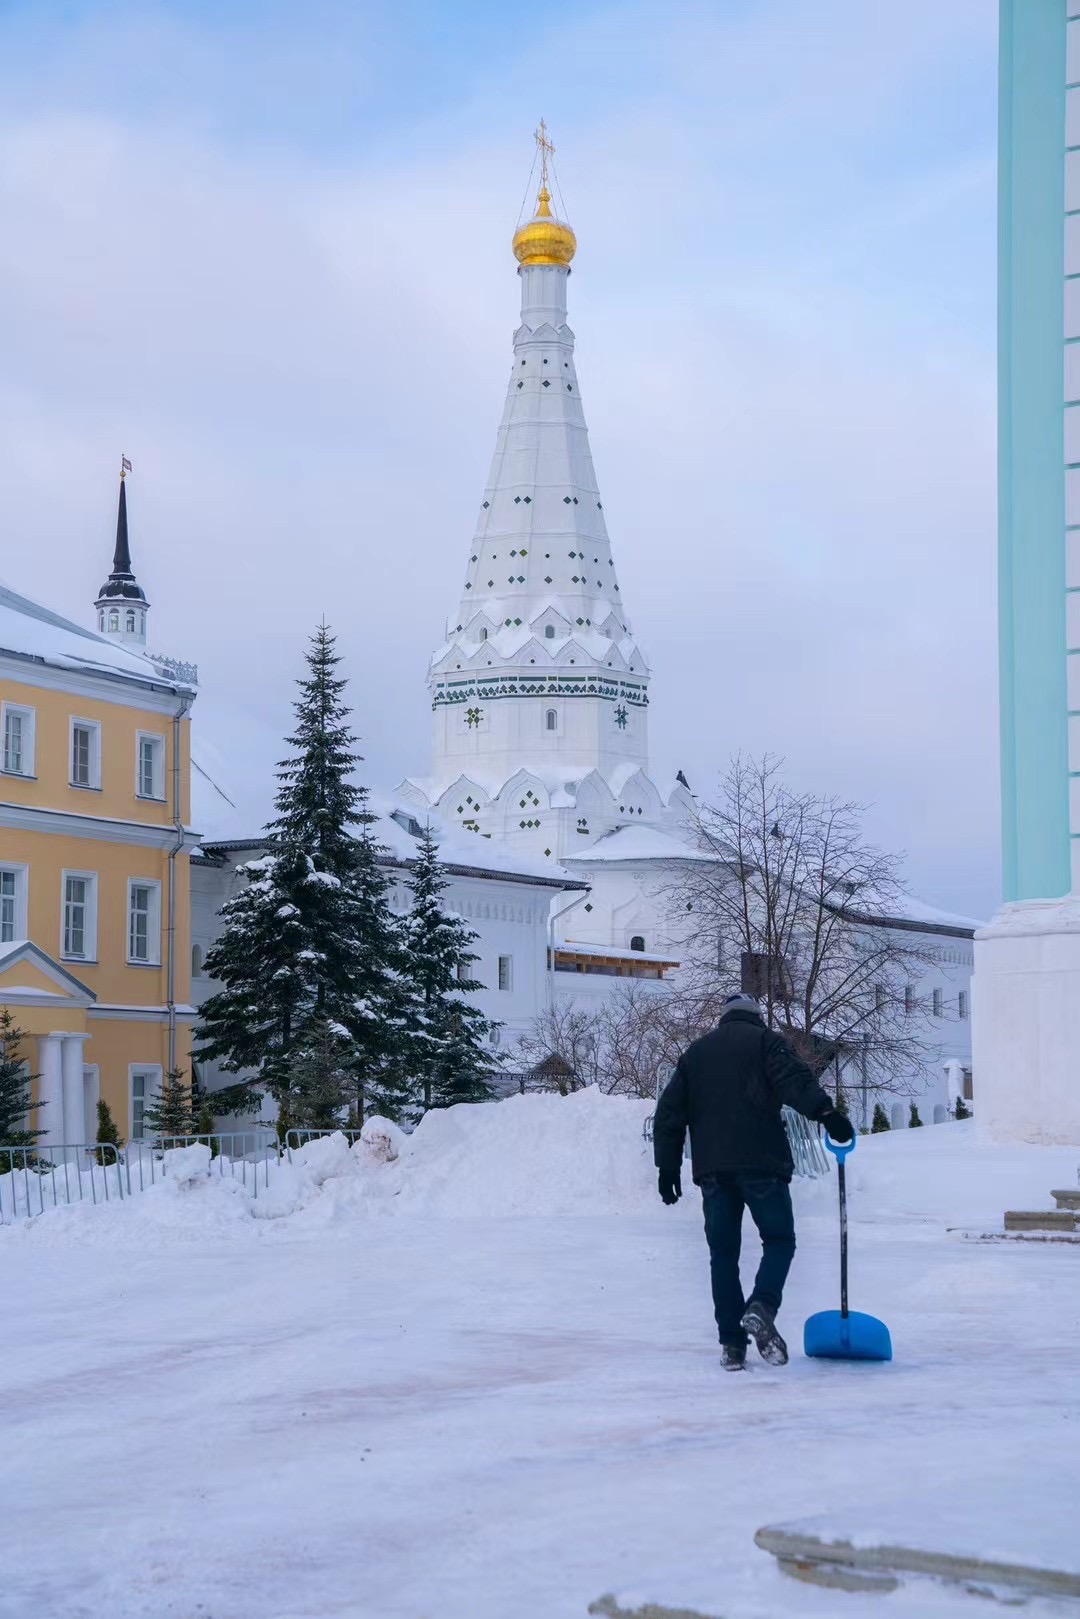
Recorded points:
(838,1126)
(670,1185)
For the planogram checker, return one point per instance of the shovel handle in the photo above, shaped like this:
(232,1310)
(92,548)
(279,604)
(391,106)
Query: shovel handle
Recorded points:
(840,1149)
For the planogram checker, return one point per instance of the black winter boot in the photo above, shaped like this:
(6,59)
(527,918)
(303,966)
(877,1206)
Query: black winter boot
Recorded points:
(733,1357)
(760,1322)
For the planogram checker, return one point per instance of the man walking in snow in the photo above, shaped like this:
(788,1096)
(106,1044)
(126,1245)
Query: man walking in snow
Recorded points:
(728,1089)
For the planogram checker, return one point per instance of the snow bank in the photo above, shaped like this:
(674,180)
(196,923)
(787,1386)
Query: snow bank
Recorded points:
(944,1174)
(527,1155)
(541,1156)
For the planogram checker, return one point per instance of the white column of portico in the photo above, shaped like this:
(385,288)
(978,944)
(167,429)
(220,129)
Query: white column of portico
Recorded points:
(49,1118)
(71,1060)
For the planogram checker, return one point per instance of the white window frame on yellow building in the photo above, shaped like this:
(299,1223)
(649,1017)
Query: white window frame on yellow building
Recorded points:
(77,722)
(90,923)
(153,922)
(21,874)
(143,1070)
(27,738)
(157,771)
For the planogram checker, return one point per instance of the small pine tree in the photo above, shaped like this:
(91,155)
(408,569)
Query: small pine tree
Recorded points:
(914,1121)
(107,1133)
(204,1126)
(961,1110)
(322,1085)
(172,1113)
(15,1082)
(446,1048)
(842,1101)
(880,1120)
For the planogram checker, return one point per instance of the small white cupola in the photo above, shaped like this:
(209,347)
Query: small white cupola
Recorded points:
(121,603)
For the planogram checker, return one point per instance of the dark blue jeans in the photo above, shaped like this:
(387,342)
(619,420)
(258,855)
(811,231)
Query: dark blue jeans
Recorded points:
(769,1201)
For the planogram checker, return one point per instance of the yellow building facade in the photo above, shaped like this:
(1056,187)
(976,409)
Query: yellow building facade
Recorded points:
(95,948)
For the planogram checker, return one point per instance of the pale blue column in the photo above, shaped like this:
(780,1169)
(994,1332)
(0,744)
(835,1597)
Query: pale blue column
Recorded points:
(1031,476)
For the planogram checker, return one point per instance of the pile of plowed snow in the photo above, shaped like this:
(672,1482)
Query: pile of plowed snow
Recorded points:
(583,1154)
(537,1155)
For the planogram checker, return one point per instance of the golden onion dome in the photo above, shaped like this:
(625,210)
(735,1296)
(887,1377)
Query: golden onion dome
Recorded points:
(545,239)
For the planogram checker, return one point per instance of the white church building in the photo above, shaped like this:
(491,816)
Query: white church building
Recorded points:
(559,843)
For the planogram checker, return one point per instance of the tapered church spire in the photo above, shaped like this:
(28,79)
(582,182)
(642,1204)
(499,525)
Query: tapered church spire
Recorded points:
(540,691)
(121,603)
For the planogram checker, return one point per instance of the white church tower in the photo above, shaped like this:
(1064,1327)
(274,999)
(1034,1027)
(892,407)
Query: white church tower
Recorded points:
(540,692)
(121,603)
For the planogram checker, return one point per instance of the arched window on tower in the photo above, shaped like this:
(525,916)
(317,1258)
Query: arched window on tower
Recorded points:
(101,619)
(483,634)
(142,621)
(549,632)
(551,719)
(130,623)
(196,961)
(114,620)
(637,942)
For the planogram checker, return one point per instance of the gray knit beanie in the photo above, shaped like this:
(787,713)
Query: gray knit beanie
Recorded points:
(740,1003)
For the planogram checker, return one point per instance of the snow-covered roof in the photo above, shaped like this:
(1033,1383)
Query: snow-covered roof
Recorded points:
(638,843)
(222,818)
(914,910)
(574,947)
(915,913)
(29,630)
(461,850)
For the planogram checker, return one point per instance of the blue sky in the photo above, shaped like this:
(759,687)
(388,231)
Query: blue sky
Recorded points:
(263,249)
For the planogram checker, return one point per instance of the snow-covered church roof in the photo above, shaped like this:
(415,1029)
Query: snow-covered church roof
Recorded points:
(639,843)
(226,818)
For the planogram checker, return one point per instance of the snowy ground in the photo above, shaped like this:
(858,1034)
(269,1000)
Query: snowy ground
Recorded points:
(398,1403)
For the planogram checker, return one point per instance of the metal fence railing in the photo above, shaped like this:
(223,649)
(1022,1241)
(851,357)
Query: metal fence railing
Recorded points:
(295,1139)
(804,1140)
(243,1155)
(33,1179)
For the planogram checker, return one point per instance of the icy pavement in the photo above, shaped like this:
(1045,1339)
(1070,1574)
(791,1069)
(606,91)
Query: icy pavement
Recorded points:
(440,1416)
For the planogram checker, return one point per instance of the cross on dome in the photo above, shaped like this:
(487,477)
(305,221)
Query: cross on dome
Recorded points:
(544,239)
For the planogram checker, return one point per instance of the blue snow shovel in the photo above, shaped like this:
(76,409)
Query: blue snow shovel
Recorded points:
(845,1334)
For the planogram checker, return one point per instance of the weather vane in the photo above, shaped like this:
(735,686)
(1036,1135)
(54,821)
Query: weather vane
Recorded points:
(125,467)
(546,149)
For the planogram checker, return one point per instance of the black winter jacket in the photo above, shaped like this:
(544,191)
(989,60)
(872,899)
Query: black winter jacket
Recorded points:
(727,1090)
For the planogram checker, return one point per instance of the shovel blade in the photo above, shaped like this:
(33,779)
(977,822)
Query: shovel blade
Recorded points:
(832,1336)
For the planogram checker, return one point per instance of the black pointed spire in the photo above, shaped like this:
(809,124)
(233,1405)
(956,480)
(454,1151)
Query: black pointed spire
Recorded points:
(121,562)
(681,779)
(121,603)
(121,584)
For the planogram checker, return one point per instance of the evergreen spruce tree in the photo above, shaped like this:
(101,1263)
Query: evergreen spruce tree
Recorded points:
(323,1085)
(206,1126)
(842,1101)
(15,1083)
(961,1110)
(914,1121)
(172,1113)
(107,1133)
(310,938)
(880,1120)
(446,1052)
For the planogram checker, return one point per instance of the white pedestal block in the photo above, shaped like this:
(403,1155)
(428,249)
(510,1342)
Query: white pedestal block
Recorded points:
(1026,1023)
